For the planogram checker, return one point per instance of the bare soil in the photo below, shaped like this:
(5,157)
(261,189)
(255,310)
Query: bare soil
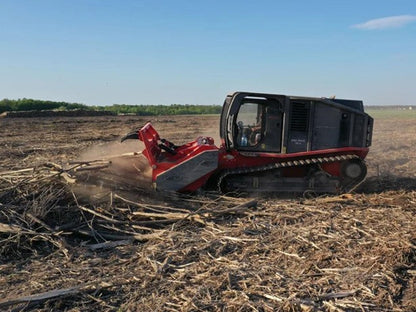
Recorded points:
(132,249)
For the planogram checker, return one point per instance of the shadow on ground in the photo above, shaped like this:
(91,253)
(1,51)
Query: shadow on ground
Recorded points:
(385,183)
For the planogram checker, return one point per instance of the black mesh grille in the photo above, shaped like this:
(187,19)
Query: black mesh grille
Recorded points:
(299,113)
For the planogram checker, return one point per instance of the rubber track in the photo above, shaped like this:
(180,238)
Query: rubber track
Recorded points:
(287,164)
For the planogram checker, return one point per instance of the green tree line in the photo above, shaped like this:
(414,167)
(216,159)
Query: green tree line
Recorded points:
(143,110)
(30,104)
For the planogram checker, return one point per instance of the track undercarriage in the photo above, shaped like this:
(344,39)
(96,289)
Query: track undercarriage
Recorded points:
(288,177)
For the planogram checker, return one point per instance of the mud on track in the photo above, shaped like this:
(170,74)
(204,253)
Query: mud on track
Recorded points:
(131,249)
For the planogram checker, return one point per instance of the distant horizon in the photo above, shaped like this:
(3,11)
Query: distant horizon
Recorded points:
(184,104)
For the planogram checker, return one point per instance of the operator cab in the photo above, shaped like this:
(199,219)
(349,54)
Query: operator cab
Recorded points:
(259,125)
(253,122)
(271,123)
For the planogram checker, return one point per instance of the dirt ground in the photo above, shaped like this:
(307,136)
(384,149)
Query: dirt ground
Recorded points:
(355,252)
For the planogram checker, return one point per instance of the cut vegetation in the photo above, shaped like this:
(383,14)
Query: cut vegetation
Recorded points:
(125,248)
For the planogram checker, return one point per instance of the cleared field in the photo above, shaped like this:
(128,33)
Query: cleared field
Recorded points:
(134,250)
(392,113)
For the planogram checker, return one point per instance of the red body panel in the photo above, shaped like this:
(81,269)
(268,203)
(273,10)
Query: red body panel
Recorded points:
(161,160)
(235,159)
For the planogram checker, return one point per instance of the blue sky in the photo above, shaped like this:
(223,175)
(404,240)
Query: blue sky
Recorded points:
(101,52)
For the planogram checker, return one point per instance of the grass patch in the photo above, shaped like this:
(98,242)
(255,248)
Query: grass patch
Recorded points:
(391,113)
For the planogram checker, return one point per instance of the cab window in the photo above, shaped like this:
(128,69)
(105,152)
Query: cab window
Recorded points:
(249,124)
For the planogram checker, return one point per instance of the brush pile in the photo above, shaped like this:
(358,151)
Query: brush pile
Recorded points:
(128,248)
(46,205)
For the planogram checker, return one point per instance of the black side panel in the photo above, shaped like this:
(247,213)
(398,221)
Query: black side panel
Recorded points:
(358,105)
(273,129)
(327,127)
(345,127)
(360,131)
(370,126)
(298,127)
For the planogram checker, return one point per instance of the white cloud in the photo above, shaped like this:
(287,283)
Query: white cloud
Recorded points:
(386,22)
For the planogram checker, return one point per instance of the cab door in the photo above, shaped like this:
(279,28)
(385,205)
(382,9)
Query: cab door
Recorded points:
(253,122)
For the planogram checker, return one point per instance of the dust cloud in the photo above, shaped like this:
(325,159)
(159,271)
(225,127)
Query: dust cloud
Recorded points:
(111,167)
(111,149)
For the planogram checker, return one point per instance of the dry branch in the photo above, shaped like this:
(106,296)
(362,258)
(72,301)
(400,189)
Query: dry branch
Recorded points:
(109,244)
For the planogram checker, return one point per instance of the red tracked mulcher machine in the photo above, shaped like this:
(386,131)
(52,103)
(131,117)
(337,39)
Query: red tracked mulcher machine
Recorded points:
(269,143)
